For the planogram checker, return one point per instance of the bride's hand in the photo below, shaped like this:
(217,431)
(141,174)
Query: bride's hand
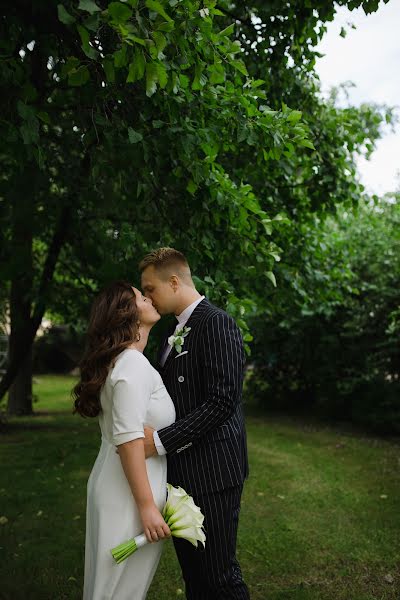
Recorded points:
(154,526)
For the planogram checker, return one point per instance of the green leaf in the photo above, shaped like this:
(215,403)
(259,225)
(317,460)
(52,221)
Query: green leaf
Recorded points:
(108,66)
(119,12)
(153,49)
(89,6)
(240,66)
(191,187)
(280,217)
(87,48)
(267,111)
(78,77)
(160,41)
(294,116)
(306,144)
(30,131)
(267,226)
(228,30)
(200,79)
(168,26)
(271,277)
(275,255)
(217,73)
(137,67)
(64,16)
(92,22)
(25,111)
(151,79)
(136,39)
(44,116)
(210,150)
(183,81)
(252,205)
(134,136)
(71,65)
(120,58)
(158,8)
(162,75)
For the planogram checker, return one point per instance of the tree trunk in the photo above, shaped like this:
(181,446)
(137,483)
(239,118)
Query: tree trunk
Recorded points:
(20,396)
(23,331)
(24,327)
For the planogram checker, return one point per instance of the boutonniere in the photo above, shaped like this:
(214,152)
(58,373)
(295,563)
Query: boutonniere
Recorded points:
(178,339)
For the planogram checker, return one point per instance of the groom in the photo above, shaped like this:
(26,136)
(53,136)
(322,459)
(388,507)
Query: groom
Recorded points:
(206,446)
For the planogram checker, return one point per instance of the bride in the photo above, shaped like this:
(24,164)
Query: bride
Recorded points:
(125,491)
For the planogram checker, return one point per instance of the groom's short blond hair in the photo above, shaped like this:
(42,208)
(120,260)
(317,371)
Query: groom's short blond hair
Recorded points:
(165,260)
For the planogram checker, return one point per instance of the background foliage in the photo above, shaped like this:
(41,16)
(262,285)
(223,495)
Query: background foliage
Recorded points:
(129,125)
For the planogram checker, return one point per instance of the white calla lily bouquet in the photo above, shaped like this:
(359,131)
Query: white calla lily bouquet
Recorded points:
(182,516)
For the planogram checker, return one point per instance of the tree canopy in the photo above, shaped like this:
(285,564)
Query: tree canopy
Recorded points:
(127,125)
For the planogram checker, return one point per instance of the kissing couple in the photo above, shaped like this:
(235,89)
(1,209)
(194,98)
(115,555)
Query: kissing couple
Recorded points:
(182,422)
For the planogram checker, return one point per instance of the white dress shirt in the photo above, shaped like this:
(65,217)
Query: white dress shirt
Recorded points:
(182,320)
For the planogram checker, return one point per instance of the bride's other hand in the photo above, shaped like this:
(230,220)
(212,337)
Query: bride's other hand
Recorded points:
(154,526)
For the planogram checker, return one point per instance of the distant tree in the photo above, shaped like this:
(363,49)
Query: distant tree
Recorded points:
(333,346)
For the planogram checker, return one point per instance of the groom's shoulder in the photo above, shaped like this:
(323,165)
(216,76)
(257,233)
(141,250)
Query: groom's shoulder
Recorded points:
(213,313)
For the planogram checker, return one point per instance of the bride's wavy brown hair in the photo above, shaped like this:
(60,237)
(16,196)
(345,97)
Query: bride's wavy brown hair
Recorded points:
(113,326)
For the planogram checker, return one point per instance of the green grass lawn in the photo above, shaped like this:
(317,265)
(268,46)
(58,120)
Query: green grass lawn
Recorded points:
(320,514)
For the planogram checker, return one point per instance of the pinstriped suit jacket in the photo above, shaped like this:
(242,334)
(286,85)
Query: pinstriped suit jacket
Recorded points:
(206,446)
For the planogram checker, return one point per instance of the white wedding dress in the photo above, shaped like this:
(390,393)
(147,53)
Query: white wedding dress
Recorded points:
(132,396)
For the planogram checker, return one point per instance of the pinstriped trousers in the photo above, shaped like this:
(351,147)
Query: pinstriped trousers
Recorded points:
(213,572)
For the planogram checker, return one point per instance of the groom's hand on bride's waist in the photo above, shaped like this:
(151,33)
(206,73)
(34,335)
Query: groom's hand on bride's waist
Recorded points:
(149,445)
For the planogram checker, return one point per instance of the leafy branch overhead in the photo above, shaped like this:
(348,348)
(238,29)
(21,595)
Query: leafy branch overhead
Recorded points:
(195,80)
(152,122)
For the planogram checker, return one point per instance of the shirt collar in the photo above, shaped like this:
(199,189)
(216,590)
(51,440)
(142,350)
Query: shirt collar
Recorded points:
(185,314)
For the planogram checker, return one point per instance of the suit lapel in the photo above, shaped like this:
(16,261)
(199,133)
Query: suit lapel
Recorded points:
(172,354)
(164,342)
(194,317)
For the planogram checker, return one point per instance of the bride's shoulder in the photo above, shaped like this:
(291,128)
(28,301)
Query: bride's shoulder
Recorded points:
(130,362)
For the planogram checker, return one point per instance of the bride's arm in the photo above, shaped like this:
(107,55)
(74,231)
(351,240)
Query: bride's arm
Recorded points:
(133,463)
(133,382)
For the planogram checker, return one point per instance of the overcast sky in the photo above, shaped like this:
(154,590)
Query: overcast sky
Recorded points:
(369,56)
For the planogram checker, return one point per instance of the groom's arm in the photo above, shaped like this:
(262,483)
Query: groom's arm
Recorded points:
(223,371)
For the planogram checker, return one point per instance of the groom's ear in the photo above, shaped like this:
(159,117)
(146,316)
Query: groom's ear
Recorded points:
(174,282)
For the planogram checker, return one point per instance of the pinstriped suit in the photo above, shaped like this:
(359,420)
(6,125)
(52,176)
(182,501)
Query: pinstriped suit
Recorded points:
(206,446)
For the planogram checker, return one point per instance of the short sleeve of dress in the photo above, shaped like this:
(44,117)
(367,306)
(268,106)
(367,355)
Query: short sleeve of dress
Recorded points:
(133,382)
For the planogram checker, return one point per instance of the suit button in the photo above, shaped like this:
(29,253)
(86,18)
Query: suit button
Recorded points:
(181,378)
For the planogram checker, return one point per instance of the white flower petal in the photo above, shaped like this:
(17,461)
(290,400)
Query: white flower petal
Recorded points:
(183,516)
(191,534)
